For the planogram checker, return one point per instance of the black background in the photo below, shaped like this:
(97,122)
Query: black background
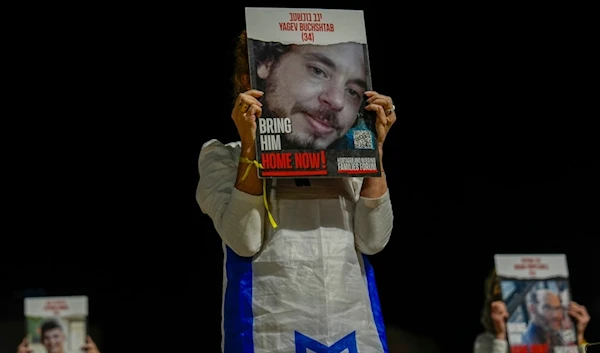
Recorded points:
(492,153)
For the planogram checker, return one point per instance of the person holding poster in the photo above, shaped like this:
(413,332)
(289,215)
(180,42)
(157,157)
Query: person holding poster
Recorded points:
(56,325)
(546,309)
(296,273)
(54,342)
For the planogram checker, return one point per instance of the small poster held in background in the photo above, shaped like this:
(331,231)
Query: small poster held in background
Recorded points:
(537,294)
(56,324)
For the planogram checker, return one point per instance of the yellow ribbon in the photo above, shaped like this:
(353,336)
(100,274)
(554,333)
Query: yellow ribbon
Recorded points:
(258,165)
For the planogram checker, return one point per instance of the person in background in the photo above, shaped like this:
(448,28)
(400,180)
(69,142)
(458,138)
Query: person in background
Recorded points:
(494,316)
(53,339)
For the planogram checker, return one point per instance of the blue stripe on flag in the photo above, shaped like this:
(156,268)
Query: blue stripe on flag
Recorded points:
(375,305)
(237,308)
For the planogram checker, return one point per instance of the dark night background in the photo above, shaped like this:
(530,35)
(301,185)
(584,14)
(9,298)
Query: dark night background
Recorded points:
(492,153)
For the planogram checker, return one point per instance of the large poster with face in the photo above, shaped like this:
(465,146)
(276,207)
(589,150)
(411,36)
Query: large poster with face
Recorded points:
(535,289)
(313,67)
(56,324)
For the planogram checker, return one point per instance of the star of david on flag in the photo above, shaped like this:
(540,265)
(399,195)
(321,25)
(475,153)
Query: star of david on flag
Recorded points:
(304,342)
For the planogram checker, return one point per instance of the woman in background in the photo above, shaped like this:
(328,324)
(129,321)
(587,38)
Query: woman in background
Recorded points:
(494,316)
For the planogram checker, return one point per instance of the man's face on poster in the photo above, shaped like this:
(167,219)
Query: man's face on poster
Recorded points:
(549,312)
(320,88)
(53,340)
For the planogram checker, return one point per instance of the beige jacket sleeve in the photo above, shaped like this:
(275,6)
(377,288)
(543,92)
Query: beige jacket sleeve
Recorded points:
(487,343)
(373,220)
(237,217)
